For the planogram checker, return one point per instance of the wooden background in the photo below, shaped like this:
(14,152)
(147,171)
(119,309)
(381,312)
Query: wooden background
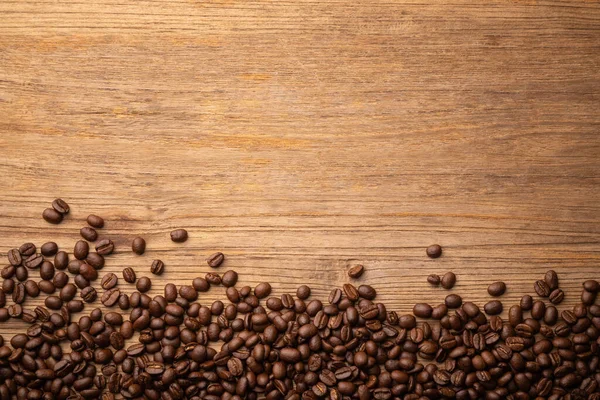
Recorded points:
(303,137)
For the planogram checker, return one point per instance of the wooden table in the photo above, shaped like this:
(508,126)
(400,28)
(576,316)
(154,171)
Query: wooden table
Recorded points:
(300,138)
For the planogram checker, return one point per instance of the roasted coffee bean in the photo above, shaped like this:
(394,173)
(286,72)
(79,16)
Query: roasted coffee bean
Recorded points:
(52,216)
(356,271)
(262,290)
(556,296)
(18,295)
(109,281)
(21,273)
(61,260)
(60,206)
(143,284)
(95,260)
(434,279)
(49,249)
(47,270)
(453,301)
(434,251)
(88,234)
(448,280)
(541,288)
(105,247)
(497,289)
(526,302)
(551,280)
(88,294)
(138,245)
(27,249)
(14,257)
(367,292)
(81,250)
(88,272)
(214,260)
(95,221)
(493,307)
(129,275)
(179,235)
(422,310)
(34,261)
(157,267)
(110,297)
(229,278)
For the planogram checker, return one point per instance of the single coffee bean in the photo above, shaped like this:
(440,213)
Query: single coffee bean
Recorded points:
(422,310)
(109,281)
(34,261)
(493,307)
(592,286)
(18,295)
(496,289)
(88,272)
(356,271)
(157,267)
(526,302)
(110,297)
(556,296)
(188,292)
(434,279)
(179,235)
(129,275)
(453,301)
(541,288)
(21,273)
(60,279)
(143,284)
(367,292)
(27,249)
(47,270)
(61,260)
(88,234)
(215,260)
(8,272)
(60,206)
(551,280)
(49,249)
(81,249)
(434,251)
(95,221)
(515,315)
(95,260)
(229,278)
(262,290)
(448,280)
(14,257)
(52,216)
(105,247)
(303,292)
(138,246)
(88,294)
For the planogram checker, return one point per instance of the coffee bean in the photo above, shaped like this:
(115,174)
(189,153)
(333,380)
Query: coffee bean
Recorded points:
(60,206)
(21,273)
(448,280)
(496,289)
(95,221)
(27,249)
(143,284)
(81,249)
(303,292)
(229,278)
(526,302)
(110,297)
(179,235)
(453,301)
(88,234)
(129,275)
(367,292)
(18,295)
(60,279)
(541,288)
(52,216)
(109,281)
(49,249)
(61,260)
(592,286)
(422,310)
(157,267)
(556,296)
(262,290)
(551,280)
(34,261)
(138,245)
(88,294)
(14,257)
(434,279)
(356,271)
(105,247)
(434,251)
(493,307)
(88,272)
(214,260)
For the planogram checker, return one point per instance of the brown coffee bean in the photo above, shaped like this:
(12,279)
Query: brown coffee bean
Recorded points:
(88,234)
(493,307)
(105,247)
(47,270)
(27,249)
(34,261)
(496,289)
(109,281)
(143,284)
(367,292)
(52,216)
(538,310)
(434,279)
(88,294)
(434,251)
(138,245)
(18,295)
(526,302)
(262,290)
(356,271)
(49,249)
(88,272)
(551,280)
(541,288)
(215,260)
(303,292)
(14,257)
(21,273)
(188,293)
(95,221)
(448,280)
(422,310)
(81,250)
(129,275)
(556,296)
(592,286)
(179,235)
(229,278)
(453,301)
(110,297)
(213,278)
(157,267)
(60,206)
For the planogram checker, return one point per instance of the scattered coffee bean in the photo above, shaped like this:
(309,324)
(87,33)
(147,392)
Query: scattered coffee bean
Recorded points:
(356,271)
(14,257)
(214,260)
(157,267)
(52,216)
(556,296)
(448,280)
(138,246)
(541,288)
(422,310)
(129,275)
(81,250)
(179,235)
(497,289)
(229,278)
(49,249)
(434,251)
(60,206)
(95,221)
(551,280)
(453,301)
(493,307)
(27,249)
(88,234)
(143,284)
(434,279)
(109,281)
(105,247)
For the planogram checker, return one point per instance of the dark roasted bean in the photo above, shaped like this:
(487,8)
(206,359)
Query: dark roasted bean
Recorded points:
(434,251)
(179,235)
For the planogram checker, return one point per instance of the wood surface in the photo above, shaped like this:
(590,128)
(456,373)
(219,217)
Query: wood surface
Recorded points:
(303,137)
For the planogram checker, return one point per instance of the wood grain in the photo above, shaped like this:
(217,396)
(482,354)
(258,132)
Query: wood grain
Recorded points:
(300,138)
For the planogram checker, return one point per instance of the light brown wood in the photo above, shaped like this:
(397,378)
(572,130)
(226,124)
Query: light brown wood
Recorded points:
(300,138)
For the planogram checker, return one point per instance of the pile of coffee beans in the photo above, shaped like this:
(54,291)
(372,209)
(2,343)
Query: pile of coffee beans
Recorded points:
(253,345)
